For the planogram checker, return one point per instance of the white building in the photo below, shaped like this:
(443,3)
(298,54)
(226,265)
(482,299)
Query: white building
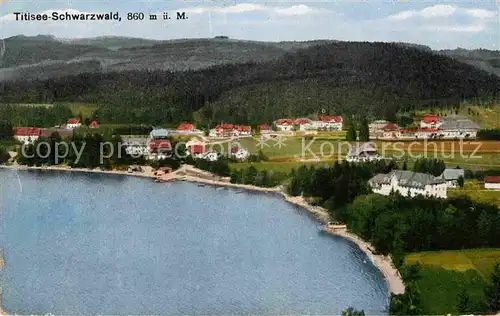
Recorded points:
(377,125)
(452,128)
(241,154)
(430,121)
(408,183)
(492,182)
(211,156)
(27,134)
(284,125)
(329,122)
(73,123)
(452,176)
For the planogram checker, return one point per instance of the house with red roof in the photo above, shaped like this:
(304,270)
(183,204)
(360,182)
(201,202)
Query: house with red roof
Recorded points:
(196,151)
(27,134)
(73,123)
(230,130)
(492,182)
(330,122)
(94,124)
(284,125)
(159,149)
(430,121)
(265,129)
(304,124)
(185,127)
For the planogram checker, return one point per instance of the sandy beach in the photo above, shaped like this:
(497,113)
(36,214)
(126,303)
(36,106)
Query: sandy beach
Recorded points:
(189,173)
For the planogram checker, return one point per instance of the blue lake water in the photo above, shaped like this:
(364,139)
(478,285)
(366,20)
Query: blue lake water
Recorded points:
(78,243)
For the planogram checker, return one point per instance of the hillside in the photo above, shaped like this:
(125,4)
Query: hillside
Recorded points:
(487,60)
(340,77)
(46,56)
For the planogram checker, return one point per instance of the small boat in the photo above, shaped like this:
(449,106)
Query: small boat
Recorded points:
(201,185)
(160,180)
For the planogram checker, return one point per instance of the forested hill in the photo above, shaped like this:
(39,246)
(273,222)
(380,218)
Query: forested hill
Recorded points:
(338,77)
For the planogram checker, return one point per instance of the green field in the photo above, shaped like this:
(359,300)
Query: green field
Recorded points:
(445,273)
(486,116)
(475,190)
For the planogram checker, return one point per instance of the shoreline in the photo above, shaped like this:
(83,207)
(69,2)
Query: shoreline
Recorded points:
(383,263)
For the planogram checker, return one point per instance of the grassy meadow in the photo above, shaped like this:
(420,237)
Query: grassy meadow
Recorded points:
(476,191)
(445,273)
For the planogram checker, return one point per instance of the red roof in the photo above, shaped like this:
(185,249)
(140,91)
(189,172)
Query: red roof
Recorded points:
(492,179)
(390,127)
(302,121)
(73,121)
(185,127)
(242,128)
(163,144)
(331,119)
(265,127)
(284,122)
(431,119)
(234,149)
(224,127)
(196,149)
(27,131)
(94,124)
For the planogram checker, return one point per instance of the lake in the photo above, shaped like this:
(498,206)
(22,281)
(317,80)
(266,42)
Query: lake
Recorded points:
(76,243)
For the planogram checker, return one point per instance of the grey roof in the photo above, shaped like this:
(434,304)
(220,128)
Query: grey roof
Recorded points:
(363,148)
(458,124)
(452,174)
(407,179)
(159,133)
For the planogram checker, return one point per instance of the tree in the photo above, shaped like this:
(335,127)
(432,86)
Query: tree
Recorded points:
(351,132)
(353,312)
(4,155)
(461,181)
(492,291)
(364,131)
(463,301)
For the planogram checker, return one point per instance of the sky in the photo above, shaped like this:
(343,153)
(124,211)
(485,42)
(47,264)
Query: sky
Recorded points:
(438,24)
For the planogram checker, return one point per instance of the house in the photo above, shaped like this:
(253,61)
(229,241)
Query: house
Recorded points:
(304,124)
(73,123)
(385,131)
(27,134)
(330,122)
(159,149)
(196,151)
(242,130)
(211,156)
(377,125)
(185,127)
(408,183)
(363,153)
(492,182)
(265,129)
(430,121)
(284,125)
(240,153)
(135,146)
(94,124)
(159,133)
(222,130)
(452,176)
(452,128)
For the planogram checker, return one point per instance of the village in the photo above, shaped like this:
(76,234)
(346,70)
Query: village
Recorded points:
(201,145)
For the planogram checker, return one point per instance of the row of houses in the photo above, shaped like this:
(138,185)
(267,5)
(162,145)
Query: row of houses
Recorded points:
(331,123)
(430,127)
(29,134)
